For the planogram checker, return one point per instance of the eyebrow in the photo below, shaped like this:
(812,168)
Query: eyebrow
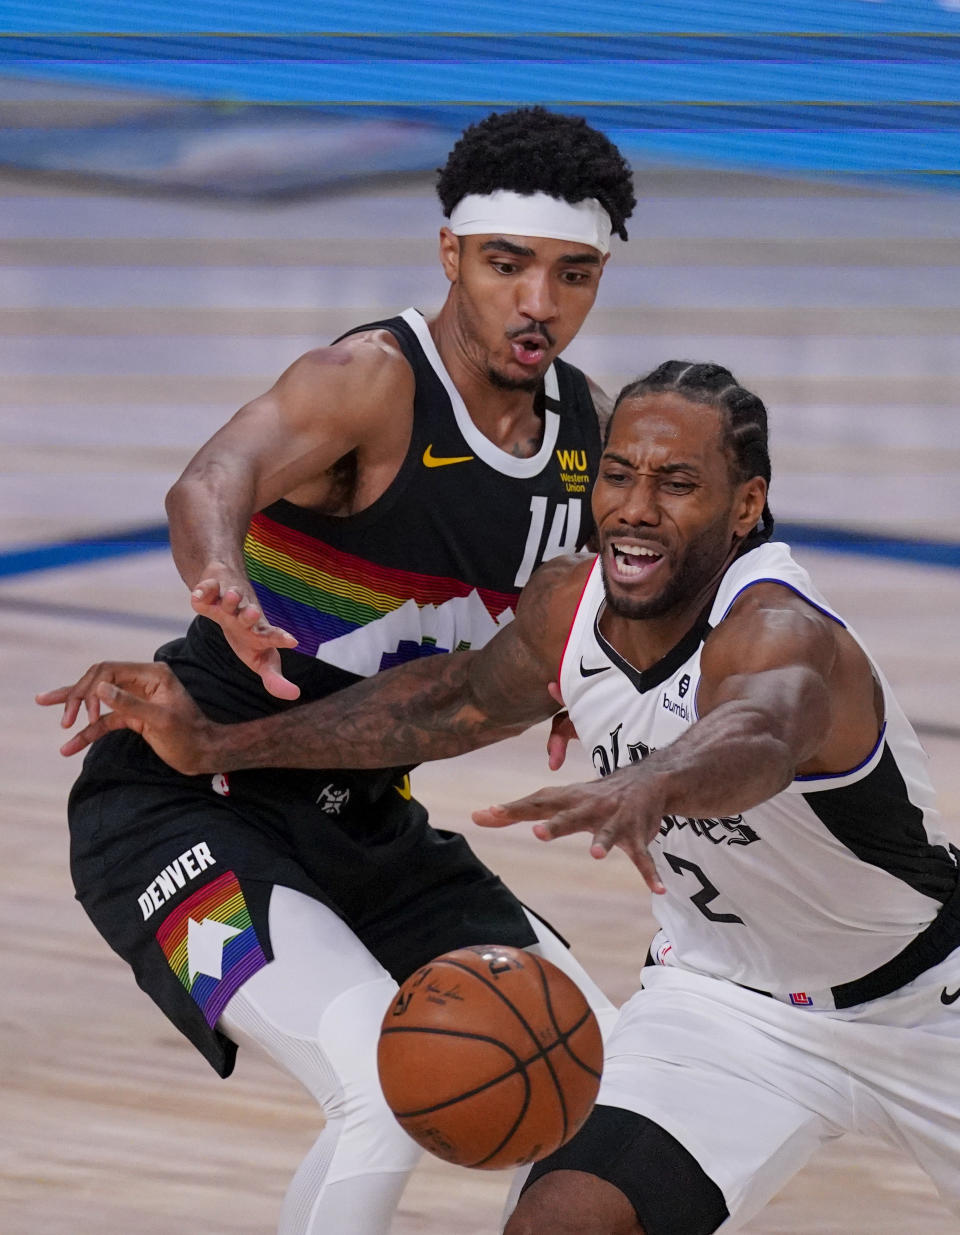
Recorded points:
(521,250)
(667,469)
(508,246)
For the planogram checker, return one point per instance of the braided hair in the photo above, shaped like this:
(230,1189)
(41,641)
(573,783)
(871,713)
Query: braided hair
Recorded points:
(532,150)
(744,420)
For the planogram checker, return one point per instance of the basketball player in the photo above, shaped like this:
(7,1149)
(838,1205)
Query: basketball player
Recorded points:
(759,772)
(386,499)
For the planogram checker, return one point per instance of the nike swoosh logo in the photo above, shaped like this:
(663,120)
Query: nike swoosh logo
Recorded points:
(945,998)
(588,673)
(404,789)
(432,460)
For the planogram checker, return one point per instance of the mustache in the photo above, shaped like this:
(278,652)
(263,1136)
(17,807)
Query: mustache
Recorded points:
(535,328)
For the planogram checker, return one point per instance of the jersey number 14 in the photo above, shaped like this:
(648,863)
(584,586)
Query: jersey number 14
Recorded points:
(561,538)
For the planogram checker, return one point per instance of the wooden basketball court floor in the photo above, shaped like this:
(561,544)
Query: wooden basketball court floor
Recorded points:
(129,329)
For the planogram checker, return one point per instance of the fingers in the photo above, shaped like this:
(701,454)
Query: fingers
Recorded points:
(562,733)
(49,698)
(491,817)
(616,833)
(268,664)
(129,712)
(81,693)
(145,678)
(235,613)
(545,804)
(86,737)
(207,592)
(72,703)
(556,751)
(277,685)
(540,805)
(563,812)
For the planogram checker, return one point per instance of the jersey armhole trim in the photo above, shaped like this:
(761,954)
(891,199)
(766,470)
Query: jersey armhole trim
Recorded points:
(790,587)
(573,620)
(829,780)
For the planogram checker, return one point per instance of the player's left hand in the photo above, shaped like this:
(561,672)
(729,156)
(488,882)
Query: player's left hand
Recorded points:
(562,732)
(146,698)
(615,810)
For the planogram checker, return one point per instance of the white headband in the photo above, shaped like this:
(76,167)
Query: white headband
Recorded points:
(532,214)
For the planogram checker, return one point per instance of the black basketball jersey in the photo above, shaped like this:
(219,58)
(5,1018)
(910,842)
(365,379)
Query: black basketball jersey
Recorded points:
(434,565)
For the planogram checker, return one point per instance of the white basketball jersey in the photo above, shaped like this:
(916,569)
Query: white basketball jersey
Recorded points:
(828,893)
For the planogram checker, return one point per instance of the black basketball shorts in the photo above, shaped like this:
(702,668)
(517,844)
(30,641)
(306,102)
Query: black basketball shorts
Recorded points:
(176,872)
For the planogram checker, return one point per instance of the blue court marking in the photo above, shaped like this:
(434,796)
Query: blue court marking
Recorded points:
(147,539)
(871,544)
(101,617)
(33,558)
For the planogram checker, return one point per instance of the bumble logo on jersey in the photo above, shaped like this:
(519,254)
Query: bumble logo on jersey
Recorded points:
(573,470)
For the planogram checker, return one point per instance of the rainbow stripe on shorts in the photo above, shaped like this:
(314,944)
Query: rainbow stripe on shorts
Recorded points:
(211,945)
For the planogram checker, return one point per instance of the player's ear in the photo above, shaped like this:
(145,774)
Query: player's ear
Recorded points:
(450,254)
(748,510)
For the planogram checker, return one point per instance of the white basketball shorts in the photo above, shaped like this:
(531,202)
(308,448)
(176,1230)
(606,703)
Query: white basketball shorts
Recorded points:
(752,1086)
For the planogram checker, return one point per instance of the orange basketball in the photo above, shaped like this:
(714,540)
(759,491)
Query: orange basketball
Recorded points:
(490,1057)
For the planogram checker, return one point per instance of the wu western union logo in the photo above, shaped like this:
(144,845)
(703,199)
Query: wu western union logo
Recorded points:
(573,470)
(572,460)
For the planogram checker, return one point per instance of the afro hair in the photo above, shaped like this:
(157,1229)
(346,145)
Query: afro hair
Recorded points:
(532,150)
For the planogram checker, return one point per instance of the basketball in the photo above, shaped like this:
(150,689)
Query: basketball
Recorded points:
(490,1057)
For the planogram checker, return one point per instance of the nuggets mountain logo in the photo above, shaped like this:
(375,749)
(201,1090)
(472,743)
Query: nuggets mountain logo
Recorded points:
(332,800)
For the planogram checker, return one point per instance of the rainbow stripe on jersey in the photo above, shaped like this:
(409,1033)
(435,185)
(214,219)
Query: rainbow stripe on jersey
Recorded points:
(211,945)
(320,593)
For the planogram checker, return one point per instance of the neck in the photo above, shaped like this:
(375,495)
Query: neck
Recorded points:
(509,418)
(644,641)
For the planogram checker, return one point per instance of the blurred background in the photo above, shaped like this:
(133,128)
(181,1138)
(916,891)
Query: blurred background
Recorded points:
(192,196)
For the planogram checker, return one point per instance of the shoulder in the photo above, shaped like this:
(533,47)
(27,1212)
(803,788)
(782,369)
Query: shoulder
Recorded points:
(368,369)
(369,355)
(548,603)
(767,625)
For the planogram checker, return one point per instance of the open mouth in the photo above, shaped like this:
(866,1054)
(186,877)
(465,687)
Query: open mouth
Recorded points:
(633,561)
(529,349)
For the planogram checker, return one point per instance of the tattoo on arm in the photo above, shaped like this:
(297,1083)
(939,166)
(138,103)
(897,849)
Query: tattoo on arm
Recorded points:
(428,709)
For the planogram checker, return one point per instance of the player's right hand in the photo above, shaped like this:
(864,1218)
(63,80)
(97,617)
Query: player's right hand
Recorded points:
(253,639)
(146,698)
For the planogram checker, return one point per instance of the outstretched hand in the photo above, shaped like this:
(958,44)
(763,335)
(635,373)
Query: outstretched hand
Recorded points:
(250,635)
(146,698)
(616,810)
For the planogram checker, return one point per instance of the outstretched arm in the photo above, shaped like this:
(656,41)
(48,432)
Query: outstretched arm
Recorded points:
(784,691)
(328,404)
(428,709)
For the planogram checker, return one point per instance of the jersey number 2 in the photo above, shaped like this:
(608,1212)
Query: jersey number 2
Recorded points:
(707,891)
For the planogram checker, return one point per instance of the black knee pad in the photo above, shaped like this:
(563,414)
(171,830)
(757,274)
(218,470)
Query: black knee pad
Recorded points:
(667,1187)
